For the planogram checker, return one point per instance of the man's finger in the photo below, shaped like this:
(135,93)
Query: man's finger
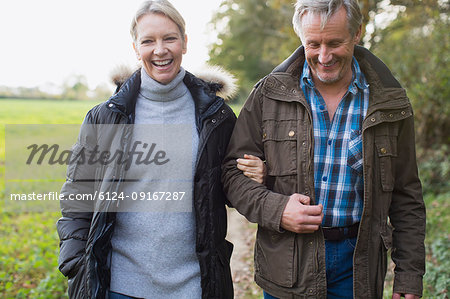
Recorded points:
(247,162)
(251,157)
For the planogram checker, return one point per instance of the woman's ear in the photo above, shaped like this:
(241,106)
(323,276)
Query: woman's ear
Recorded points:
(138,56)
(185,44)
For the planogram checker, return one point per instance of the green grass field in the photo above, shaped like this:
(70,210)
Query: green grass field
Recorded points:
(29,242)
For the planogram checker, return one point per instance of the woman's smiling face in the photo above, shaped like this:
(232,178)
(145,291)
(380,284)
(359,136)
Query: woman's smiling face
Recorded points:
(160,46)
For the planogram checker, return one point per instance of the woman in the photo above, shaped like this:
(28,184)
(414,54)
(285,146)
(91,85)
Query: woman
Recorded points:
(165,254)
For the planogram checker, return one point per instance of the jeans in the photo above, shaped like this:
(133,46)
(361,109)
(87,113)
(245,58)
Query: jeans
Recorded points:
(339,264)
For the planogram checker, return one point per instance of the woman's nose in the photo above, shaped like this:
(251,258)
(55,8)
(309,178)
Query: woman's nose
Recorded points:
(160,49)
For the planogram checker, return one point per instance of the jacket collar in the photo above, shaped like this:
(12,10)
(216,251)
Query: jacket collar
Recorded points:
(204,95)
(385,90)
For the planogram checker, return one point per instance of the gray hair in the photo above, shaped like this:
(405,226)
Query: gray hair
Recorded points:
(325,9)
(163,7)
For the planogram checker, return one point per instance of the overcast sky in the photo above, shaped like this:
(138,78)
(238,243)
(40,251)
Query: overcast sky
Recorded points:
(47,41)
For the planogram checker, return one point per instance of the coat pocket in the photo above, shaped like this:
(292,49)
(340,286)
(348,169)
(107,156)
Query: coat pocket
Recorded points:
(276,257)
(386,148)
(77,283)
(280,146)
(386,244)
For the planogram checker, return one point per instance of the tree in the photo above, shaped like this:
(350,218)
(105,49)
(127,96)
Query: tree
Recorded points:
(254,36)
(75,88)
(416,46)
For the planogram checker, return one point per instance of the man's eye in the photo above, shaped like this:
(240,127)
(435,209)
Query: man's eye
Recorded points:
(147,41)
(171,38)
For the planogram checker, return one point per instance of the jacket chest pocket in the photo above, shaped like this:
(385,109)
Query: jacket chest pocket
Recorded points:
(386,152)
(280,146)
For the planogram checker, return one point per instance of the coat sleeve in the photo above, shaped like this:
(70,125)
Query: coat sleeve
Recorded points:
(407,216)
(253,200)
(73,227)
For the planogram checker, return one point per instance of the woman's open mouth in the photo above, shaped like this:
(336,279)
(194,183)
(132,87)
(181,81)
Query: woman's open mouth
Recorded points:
(162,63)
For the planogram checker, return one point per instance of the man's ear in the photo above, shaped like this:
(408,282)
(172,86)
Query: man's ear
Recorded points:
(357,36)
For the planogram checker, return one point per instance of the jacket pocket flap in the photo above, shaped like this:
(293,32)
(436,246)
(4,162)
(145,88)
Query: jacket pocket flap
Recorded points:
(386,146)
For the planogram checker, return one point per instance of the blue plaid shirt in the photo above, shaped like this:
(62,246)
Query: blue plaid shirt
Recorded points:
(338,160)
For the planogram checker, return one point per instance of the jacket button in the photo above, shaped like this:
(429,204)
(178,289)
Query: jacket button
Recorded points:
(283,87)
(291,133)
(403,112)
(111,105)
(264,135)
(383,150)
(223,111)
(214,120)
(373,119)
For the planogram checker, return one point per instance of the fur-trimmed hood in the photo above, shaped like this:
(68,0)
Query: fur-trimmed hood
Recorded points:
(208,73)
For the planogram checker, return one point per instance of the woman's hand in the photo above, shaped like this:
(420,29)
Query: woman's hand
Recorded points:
(252,167)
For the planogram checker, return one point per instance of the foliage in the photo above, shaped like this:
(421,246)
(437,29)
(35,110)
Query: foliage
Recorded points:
(253,37)
(416,47)
(437,277)
(434,168)
(74,88)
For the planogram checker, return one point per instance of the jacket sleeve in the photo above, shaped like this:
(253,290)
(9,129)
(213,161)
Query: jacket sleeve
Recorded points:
(407,216)
(73,227)
(253,200)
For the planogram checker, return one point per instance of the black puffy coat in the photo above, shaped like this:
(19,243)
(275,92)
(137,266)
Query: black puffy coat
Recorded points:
(85,246)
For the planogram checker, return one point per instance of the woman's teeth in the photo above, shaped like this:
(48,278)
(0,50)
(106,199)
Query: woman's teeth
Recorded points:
(162,62)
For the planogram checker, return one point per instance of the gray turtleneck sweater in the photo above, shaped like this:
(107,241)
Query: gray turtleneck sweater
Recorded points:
(153,253)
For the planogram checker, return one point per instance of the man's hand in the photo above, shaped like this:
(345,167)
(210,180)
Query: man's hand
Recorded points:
(252,167)
(407,296)
(299,217)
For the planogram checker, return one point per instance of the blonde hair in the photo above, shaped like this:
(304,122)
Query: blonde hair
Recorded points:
(163,7)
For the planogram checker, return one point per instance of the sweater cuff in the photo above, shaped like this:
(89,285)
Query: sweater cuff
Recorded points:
(274,206)
(408,284)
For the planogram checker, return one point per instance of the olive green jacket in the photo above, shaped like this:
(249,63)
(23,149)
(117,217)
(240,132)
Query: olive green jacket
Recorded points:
(275,125)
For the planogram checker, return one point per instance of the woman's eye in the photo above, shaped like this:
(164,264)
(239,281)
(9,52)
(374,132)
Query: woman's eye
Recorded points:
(147,41)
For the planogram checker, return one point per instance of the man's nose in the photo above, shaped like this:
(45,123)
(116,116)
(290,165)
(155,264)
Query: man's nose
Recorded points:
(325,55)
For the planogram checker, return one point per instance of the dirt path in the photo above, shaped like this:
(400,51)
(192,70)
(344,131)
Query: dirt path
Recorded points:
(242,234)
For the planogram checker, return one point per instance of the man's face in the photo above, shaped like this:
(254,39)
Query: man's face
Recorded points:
(329,51)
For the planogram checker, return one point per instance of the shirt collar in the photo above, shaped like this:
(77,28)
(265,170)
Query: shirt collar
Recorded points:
(358,79)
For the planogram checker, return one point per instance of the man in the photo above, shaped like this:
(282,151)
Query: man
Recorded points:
(336,131)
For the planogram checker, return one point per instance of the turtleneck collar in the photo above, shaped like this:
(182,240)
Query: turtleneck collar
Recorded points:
(155,91)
